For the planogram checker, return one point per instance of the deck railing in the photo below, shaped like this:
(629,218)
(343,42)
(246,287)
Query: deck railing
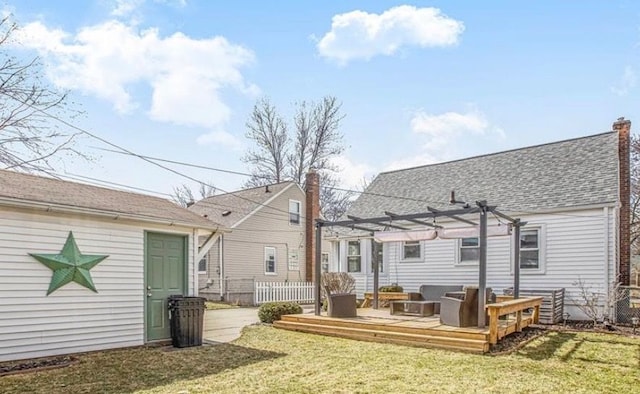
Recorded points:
(300,292)
(507,306)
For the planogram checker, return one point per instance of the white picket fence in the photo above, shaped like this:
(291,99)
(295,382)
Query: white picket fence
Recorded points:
(300,292)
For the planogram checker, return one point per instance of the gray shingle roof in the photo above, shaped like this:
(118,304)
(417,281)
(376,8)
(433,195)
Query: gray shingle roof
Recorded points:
(38,189)
(577,172)
(236,204)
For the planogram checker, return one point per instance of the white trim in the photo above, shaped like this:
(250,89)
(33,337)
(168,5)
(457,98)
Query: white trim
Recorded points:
(262,205)
(275,260)
(299,212)
(542,248)
(418,259)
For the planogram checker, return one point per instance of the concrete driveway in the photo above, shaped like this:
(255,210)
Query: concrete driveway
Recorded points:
(225,325)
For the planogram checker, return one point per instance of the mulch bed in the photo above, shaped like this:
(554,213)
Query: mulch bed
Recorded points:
(517,340)
(40,364)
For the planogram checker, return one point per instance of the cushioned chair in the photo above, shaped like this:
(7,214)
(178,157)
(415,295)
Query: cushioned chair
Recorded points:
(341,304)
(460,309)
(434,292)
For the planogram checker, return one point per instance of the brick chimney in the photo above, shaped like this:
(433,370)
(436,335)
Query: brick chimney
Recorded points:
(623,128)
(312,212)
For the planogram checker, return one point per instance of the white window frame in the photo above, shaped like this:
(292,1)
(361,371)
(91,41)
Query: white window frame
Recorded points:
(267,249)
(359,255)
(299,213)
(206,264)
(459,248)
(324,262)
(542,243)
(411,259)
(293,260)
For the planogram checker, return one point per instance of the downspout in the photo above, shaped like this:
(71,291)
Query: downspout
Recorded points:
(221,265)
(607,260)
(194,267)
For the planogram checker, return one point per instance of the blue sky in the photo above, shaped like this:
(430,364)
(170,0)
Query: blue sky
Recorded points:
(420,82)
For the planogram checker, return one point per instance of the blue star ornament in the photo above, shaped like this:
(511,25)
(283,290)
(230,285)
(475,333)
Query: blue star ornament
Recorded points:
(70,265)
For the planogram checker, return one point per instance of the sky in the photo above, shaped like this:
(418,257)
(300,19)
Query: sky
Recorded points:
(420,82)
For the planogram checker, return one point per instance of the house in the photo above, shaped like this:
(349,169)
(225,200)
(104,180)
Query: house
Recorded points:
(86,268)
(573,196)
(269,240)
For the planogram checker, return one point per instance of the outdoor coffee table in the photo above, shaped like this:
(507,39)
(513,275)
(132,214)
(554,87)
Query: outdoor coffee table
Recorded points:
(414,308)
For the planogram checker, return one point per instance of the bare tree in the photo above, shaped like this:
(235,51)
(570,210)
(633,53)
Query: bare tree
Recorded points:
(184,196)
(269,157)
(30,136)
(315,141)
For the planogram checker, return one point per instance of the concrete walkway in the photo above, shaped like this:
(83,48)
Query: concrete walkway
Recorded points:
(225,325)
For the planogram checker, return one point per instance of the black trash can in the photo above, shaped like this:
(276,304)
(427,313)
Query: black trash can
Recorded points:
(186,318)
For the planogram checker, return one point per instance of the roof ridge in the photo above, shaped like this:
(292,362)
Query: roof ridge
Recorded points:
(498,153)
(244,190)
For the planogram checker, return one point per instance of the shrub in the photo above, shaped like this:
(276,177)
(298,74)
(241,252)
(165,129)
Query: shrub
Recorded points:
(272,311)
(391,289)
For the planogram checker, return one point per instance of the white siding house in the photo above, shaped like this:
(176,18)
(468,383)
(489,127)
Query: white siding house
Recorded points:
(569,193)
(128,307)
(266,242)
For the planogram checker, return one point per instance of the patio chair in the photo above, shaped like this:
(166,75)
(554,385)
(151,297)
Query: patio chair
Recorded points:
(460,309)
(340,304)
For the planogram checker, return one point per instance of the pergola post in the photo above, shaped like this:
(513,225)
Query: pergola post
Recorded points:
(376,271)
(318,267)
(516,258)
(482,275)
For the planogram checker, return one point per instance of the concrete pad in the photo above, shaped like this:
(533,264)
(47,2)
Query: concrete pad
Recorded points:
(225,325)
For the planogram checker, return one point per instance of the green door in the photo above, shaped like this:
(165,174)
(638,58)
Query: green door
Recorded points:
(165,273)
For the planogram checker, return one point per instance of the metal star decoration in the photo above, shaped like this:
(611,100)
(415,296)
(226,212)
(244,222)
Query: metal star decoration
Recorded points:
(69,266)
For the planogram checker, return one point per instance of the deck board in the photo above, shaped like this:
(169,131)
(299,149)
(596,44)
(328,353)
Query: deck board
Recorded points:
(379,325)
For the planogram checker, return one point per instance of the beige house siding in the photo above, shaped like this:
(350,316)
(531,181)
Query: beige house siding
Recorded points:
(244,250)
(73,319)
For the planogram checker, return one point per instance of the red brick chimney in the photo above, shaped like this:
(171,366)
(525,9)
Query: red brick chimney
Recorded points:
(623,127)
(312,212)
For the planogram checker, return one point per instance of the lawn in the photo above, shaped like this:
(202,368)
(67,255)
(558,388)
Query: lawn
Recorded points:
(268,360)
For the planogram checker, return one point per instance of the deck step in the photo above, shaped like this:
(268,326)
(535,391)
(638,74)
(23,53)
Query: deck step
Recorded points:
(380,326)
(419,340)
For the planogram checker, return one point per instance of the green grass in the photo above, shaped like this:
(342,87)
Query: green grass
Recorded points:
(268,360)
(211,305)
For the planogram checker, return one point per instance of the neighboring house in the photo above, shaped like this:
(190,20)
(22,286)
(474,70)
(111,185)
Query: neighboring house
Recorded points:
(87,268)
(573,194)
(267,243)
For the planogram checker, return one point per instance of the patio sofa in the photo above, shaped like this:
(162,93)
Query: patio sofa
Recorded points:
(435,292)
(460,309)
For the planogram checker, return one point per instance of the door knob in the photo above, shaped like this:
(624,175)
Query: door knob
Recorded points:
(148,287)
(149,294)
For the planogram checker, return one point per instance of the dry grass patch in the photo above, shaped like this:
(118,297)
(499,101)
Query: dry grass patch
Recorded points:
(212,305)
(265,359)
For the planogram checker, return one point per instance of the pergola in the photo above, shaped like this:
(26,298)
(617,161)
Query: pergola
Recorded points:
(463,214)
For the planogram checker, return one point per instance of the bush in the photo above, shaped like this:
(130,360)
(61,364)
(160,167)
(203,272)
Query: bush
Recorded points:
(272,311)
(391,289)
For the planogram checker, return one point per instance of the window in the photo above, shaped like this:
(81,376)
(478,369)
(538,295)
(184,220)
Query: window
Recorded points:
(530,249)
(469,250)
(269,260)
(354,259)
(377,252)
(202,265)
(294,260)
(324,262)
(294,211)
(411,250)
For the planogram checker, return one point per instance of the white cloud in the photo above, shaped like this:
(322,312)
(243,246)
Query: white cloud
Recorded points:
(627,81)
(443,133)
(113,59)
(442,128)
(125,7)
(361,35)
(220,138)
(352,174)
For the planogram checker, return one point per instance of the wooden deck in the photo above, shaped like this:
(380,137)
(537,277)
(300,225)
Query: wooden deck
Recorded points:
(377,325)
